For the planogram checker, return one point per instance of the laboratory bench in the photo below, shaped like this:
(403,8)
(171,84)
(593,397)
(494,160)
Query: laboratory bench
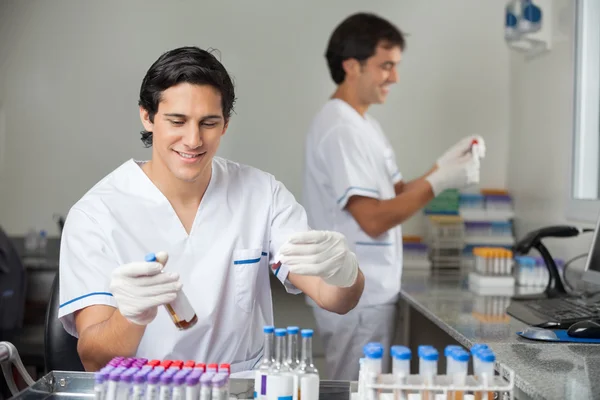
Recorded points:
(443,310)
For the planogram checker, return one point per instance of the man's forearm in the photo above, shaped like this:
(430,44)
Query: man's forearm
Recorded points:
(407,186)
(341,299)
(101,342)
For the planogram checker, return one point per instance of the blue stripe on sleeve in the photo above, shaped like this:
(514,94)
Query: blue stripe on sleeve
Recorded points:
(356,188)
(66,303)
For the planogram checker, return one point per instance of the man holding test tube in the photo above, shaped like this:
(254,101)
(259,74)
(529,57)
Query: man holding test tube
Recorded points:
(223,227)
(352,183)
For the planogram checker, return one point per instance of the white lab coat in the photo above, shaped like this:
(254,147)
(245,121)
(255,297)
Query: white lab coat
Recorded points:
(348,154)
(224,263)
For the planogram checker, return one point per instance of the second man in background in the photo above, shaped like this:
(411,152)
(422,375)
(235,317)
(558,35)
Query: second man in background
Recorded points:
(353,185)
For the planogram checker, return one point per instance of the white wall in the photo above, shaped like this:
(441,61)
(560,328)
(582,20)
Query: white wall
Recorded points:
(541,113)
(70,72)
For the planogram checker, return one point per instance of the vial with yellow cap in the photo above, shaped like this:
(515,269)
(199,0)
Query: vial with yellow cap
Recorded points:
(180,310)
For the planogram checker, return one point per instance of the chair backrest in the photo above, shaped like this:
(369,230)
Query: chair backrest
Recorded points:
(12,285)
(60,348)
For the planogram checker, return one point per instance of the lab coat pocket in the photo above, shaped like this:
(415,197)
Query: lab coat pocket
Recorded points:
(246,264)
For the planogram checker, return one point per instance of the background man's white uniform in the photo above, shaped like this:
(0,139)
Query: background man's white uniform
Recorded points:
(243,219)
(348,155)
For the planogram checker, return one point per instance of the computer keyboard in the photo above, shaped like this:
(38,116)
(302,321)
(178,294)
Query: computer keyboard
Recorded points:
(556,312)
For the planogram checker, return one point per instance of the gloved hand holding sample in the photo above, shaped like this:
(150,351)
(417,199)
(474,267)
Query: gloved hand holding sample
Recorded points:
(321,253)
(460,149)
(140,287)
(456,174)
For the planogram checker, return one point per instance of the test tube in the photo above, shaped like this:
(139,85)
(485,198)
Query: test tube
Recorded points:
(192,382)
(372,366)
(420,350)
(400,368)
(428,361)
(219,387)
(153,380)
(113,383)
(460,359)
(99,386)
(178,392)
(206,385)
(166,380)
(125,383)
(486,370)
(449,360)
(139,383)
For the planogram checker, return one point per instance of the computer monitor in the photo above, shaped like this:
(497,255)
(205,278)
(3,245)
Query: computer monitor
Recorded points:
(591,273)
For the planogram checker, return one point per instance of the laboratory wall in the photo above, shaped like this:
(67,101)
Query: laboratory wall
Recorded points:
(70,73)
(541,115)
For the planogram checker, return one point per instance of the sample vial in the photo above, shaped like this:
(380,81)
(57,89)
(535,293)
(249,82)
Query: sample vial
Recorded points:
(180,310)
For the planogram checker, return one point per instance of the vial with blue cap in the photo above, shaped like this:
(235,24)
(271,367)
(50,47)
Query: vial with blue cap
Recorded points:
(428,360)
(401,356)
(485,370)
(260,379)
(307,381)
(292,359)
(460,365)
(372,366)
(280,380)
(180,310)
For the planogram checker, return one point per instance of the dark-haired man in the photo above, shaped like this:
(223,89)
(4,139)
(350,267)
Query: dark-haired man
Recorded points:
(352,184)
(221,224)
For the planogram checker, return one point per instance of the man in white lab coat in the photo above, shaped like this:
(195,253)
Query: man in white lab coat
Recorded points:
(352,184)
(222,226)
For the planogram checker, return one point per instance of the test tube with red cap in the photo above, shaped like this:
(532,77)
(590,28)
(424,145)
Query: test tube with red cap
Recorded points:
(200,366)
(226,368)
(153,363)
(212,368)
(166,364)
(177,363)
(189,364)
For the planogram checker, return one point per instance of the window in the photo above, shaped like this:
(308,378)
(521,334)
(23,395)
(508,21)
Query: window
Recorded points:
(584,197)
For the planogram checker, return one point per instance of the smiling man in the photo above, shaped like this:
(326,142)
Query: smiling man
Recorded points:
(222,226)
(353,185)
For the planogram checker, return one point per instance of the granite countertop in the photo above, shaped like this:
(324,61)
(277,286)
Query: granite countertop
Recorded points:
(542,370)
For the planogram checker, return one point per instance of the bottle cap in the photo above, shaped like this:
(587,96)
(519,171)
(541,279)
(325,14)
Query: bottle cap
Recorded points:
(307,333)
(153,378)
(478,346)
(212,367)
(150,257)
(154,363)
(279,332)
(189,364)
(486,355)
(269,329)
(166,363)
(219,380)
(401,352)
(429,354)
(179,379)
(460,355)
(373,351)
(423,348)
(206,378)
(225,368)
(177,363)
(449,349)
(140,378)
(201,366)
(293,330)
(193,378)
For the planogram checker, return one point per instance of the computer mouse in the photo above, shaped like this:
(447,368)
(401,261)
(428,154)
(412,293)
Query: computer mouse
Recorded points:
(588,329)
(533,332)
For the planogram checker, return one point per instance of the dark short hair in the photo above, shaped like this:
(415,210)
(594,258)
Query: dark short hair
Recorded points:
(185,64)
(358,37)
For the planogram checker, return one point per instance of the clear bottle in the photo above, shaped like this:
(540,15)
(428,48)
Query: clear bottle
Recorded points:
(306,372)
(280,379)
(260,380)
(292,359)
(181,311)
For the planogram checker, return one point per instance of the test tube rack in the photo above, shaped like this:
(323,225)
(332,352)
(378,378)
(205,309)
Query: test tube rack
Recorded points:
(386,385)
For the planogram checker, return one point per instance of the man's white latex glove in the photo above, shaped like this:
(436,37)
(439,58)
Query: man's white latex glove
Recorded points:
(456,175)
(460,149)
(140,287)
(320,253)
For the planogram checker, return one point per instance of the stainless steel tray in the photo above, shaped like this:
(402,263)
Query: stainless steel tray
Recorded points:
(80,385)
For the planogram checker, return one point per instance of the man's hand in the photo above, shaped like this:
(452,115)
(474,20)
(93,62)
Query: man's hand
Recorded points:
(455,175)
(460,149)
(140,287)
(320,253)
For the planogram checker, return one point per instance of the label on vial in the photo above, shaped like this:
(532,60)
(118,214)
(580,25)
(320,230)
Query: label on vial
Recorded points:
(309,387)
(182,307)
(205,392)
(280,387)
(260,385)
(165,392)
(177,393)
(137,392)
(151,392)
